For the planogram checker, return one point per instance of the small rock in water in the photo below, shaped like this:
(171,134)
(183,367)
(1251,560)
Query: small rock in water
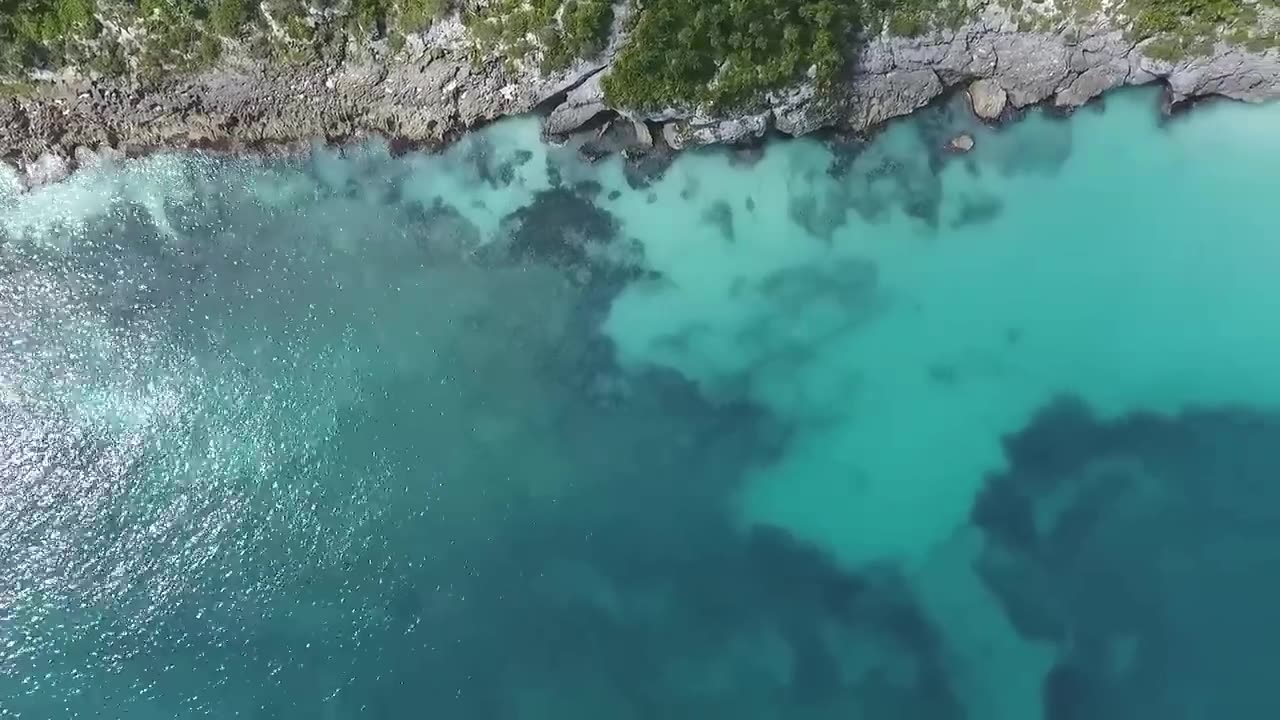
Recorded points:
(961,143)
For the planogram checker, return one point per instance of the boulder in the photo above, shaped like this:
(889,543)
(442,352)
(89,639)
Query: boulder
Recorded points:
(581,105)
(961,143)
(673,135)
(987,98)
(644,138)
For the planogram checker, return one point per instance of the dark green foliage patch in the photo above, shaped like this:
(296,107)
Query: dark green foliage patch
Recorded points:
(727,53)
(565,30)
(1179,29)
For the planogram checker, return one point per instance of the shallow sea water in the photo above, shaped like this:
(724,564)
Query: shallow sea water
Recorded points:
(811,433)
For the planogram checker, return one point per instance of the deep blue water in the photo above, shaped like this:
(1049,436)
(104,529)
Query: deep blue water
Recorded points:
(819,433)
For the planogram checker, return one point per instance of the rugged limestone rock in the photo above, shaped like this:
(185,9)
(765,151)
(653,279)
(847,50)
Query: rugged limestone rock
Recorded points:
(726,131)
(644,138)
(673,135)
(424,95)
(578,108)
(894,77)
(432,90)
(987,98)
(1003,67)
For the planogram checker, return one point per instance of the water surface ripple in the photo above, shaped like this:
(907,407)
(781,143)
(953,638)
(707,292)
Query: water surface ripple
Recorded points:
(810,432)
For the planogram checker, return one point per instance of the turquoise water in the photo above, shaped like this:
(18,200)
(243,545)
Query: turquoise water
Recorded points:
(873,432)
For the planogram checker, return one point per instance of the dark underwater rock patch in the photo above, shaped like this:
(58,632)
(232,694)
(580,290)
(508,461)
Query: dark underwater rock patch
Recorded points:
(442,232)
(1133,545)
(976,211)
(845,149)
(643,169)
(720,215)
(559,226)
(489,165)
(589,189)
(565,229)
(1041,153)
(820,213)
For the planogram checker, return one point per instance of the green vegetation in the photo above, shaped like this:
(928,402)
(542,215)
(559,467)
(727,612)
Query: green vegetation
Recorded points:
(384,18)
(563,30)
(1186,28)
(15,89)
(911,18)
(727,53)
(172,36)
(182,35)
(1155,17)
(584,30)
(1172,30)
(38,33)
(415,15)
(227,18)
(721,52)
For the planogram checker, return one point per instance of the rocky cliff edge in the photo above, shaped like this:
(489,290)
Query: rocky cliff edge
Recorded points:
(434,88)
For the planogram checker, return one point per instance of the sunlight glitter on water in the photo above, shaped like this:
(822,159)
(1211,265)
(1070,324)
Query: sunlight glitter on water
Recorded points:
(500,434)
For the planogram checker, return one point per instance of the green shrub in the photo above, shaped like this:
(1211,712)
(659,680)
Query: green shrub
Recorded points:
(296,29)
(414,15)
(76,17)
(228,17)
(39,33)
(1258,44)
(1167,49)
(582,31)
(369,17)
(1183,28)
(16,89)
(721,53)
(395,41)
(208,50)
(108,60)
(1152,17)
(726,53)
(912,24)
(388,18)
(565,29)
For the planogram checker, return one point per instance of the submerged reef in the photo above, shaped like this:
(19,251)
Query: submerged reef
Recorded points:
(1135,545)
(366,465)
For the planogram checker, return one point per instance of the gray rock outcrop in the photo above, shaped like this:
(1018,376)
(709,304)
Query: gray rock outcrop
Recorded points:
(579,106)
(432,90)
(987,98)
(1003,66)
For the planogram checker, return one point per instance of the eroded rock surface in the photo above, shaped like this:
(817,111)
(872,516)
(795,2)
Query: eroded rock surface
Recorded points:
(1003,66)
(987,98)
(433,89)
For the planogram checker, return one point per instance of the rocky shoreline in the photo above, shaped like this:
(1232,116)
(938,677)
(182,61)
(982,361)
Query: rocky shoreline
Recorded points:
(433,89)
